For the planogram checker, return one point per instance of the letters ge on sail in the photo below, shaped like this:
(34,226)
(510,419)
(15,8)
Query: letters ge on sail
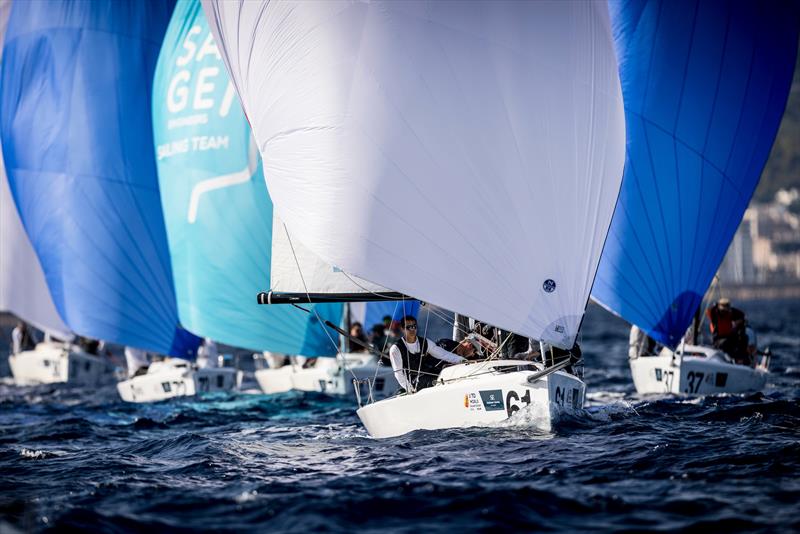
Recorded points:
(198,93)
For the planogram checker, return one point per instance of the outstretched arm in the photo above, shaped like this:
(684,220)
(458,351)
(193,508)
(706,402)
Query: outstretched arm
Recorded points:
(438,352)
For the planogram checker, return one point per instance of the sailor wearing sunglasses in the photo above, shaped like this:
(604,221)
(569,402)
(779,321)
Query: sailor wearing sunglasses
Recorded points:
(417,361)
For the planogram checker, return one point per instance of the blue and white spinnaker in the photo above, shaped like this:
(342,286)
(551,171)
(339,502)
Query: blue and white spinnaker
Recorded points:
(704,84)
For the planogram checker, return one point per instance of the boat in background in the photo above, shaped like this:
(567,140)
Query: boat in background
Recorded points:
(176,377)
(705,85)
(467,154)
(86,190)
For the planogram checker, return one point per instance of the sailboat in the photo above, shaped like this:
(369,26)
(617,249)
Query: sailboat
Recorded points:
(24,292)
(467,154)
(219,220)
(705,85)
(78,156)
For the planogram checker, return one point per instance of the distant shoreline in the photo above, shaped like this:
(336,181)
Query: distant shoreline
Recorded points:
(761,292)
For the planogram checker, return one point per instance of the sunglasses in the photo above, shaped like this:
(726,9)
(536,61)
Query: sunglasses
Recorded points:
(410,327)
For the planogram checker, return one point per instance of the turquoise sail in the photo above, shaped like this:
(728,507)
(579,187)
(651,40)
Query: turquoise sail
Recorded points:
(705,84)
(216,206)
(78,147)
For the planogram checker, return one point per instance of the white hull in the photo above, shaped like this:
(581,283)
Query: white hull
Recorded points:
(704,373)
(53,363)
(327,376)
(477,394)
(176,378)
(275,380)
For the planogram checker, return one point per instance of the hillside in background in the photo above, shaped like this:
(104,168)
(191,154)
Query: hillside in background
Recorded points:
(783,167)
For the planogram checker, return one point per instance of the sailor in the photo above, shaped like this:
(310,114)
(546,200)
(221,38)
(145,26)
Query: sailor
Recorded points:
(463,348)
(417,361)
(728,329)
(22,338)
(358,339)
(207,354)
(88,345)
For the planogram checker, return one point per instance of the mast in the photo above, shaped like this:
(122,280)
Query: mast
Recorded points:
(460,326)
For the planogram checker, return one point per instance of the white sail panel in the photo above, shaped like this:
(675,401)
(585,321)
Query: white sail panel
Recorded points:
(23,289)
(466,153)
(295,269)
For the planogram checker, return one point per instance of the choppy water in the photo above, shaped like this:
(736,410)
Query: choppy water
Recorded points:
(83,459)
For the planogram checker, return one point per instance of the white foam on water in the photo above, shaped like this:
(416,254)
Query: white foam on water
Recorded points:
(607,411)
(537,415)
(246,496)
(37,454)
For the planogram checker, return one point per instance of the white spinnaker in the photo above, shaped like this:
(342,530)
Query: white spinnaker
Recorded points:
(466,153)
(295,269)
(23,290)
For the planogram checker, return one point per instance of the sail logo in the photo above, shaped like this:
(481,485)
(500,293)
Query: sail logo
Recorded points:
(211,184)
(196,88)
(549,285)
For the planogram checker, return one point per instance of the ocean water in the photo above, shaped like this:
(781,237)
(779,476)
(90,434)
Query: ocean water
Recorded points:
(72,458)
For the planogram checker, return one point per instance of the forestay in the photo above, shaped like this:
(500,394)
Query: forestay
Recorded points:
(705,85)
(78,148)
(466,153)
(23,290)
(217,210)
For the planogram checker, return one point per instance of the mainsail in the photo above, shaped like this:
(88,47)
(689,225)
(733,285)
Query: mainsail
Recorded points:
(78,148)
(466,153)
(217,210)
(23,290)
(299,275)
(705,85)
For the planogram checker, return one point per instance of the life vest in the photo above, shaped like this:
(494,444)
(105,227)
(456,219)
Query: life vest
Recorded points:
(721,325)
(421,369)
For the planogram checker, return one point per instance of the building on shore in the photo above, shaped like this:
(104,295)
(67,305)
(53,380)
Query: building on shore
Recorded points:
(766,246)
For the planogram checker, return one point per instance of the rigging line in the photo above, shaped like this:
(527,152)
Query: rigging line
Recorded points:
(368,291)
(314,309)
(422,355)
(447,319)
(491,357)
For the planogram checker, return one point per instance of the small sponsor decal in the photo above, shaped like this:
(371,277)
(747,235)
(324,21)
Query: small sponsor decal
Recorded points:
(472,402)
(549,285)
(492,400)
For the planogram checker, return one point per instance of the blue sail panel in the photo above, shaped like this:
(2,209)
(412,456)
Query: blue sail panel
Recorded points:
(78,147)
(217,210)
(705,84)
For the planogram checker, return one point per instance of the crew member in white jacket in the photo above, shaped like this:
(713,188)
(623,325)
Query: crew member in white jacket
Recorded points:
(417,361)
